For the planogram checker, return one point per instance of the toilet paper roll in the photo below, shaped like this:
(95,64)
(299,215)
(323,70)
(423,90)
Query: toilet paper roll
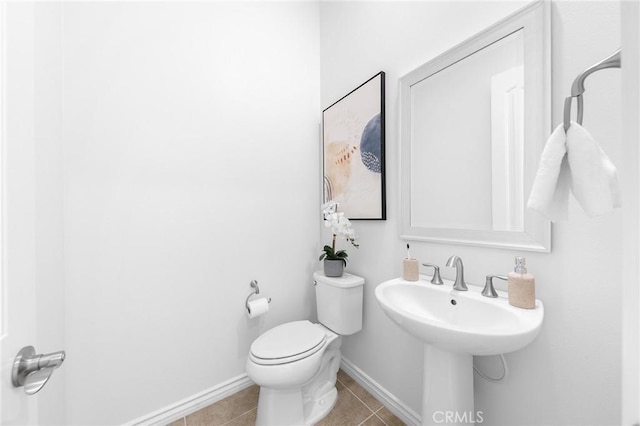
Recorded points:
(257,307)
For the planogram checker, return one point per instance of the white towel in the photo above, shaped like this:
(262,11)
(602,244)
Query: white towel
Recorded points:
(574,161)
(594,177)
(550,191)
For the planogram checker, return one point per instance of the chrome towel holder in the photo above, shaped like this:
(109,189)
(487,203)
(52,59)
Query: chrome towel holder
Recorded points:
(577,88)
(256,290)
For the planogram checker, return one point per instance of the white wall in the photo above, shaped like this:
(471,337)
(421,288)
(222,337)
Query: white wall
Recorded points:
(571,374)
(190,168)
(631,135)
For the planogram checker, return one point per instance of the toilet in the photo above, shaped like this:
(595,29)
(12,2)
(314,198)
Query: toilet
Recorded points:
(295,364)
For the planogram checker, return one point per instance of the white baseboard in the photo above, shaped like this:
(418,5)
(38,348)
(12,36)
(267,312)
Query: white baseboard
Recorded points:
(216,393)
(397,407)
(193,403)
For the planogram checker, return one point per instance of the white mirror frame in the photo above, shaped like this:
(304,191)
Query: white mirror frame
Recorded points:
(534,20)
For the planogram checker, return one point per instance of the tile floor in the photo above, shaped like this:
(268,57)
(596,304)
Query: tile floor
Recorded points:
(355,407)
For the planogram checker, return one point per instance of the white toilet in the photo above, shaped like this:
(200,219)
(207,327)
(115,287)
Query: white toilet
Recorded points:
(295,364)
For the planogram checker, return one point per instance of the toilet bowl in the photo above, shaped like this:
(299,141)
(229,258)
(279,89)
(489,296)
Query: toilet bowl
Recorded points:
(296,363)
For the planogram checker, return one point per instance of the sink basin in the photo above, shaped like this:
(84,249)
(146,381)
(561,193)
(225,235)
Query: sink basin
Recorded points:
(459,321)
(454,326)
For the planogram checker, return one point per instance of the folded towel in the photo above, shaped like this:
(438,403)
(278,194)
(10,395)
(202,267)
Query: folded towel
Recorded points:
(550,191)
(574,160)
(594,177)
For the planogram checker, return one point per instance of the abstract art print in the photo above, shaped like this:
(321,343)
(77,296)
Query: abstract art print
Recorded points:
(353,148)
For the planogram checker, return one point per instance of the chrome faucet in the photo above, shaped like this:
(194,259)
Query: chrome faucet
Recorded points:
(436,273)
(488,290)
(459,284)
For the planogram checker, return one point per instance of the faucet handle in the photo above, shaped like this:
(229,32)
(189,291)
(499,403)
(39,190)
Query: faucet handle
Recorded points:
(436,274)
(488,289)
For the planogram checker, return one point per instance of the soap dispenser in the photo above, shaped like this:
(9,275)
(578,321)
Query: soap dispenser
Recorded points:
(521,286)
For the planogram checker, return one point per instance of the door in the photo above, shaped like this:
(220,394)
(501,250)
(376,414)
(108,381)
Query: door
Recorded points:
(17,233)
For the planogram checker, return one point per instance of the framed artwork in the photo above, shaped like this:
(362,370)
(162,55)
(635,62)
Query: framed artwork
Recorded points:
(353,130)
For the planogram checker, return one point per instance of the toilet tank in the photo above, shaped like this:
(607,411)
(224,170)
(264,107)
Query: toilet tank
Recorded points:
(339,302)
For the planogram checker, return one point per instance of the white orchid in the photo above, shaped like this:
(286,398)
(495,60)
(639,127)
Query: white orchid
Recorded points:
(340,226)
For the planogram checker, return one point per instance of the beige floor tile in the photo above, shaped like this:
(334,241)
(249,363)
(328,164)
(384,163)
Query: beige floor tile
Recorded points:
(344,378)
(340,385)
(247,419)
(355,406)
(228,409)
(373,420)
(359,391)
(348,411)
(388,417)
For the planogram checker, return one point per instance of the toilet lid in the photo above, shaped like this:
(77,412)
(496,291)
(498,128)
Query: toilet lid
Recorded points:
(289,342)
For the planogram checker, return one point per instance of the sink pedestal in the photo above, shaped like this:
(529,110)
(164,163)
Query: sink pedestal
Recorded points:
(447,388)
(455,325)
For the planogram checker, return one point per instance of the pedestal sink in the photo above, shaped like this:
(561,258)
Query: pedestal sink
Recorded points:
(454,326)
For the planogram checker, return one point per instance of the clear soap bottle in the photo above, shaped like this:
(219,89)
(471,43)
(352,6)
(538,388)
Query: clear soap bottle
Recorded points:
(521,286)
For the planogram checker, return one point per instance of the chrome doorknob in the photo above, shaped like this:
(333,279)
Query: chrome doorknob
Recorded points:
(33,370)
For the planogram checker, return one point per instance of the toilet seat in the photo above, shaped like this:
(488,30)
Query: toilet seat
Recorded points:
(287,343)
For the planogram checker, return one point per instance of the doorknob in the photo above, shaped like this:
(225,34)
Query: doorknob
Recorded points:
(33,370)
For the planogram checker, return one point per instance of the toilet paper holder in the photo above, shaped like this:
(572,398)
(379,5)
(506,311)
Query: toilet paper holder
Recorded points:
(256,290)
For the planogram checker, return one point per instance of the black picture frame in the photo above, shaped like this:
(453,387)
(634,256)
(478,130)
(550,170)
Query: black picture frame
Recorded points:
(353,139)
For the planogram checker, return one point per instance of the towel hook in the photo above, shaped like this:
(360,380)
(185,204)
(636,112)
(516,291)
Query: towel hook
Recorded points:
(577,88)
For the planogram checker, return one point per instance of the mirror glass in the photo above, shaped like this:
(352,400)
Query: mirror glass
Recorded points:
(473,124)
(488,146)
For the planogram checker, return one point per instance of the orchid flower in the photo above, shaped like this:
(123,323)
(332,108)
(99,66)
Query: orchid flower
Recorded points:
(340,225)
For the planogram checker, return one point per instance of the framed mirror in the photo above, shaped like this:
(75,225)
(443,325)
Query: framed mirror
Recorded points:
(473,122)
